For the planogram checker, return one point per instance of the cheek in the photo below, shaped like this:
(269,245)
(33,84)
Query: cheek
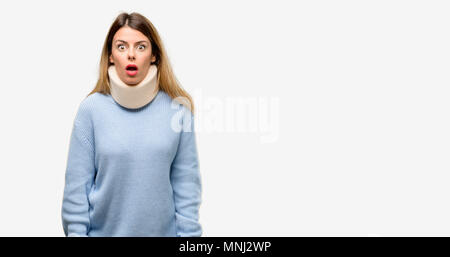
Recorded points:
(146,54)
(144,59)
(118,57)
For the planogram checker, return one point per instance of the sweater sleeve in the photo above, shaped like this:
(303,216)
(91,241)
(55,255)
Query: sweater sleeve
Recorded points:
(79,177)
(186,182)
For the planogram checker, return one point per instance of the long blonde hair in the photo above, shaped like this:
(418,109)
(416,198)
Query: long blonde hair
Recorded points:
(167,80)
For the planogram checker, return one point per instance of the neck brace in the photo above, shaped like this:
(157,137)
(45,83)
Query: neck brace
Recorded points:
(135,96)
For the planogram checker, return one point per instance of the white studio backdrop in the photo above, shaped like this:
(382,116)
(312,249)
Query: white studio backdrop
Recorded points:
(344,129)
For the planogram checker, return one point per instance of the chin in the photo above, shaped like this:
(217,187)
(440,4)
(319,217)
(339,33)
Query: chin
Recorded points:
(131,81)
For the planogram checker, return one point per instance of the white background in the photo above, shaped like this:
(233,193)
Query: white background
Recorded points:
(363,86)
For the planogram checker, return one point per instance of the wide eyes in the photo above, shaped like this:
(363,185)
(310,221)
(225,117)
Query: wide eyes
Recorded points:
(122,47)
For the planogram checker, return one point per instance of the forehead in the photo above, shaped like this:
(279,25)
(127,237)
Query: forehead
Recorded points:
(130,35)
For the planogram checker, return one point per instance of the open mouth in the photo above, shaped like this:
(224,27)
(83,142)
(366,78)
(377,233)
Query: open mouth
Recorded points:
(131,69)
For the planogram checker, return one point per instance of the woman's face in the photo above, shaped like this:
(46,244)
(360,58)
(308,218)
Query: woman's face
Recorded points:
(130,46)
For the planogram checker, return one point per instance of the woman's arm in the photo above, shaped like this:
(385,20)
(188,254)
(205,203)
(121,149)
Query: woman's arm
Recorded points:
(79,176)
(186,182)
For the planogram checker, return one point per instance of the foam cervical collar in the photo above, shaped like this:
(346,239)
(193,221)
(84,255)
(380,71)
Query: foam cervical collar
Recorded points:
(135,96)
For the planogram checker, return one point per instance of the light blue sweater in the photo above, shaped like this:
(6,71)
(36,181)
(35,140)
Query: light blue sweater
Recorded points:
(130,172)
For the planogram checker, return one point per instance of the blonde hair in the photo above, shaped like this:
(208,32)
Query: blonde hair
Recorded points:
(167,80)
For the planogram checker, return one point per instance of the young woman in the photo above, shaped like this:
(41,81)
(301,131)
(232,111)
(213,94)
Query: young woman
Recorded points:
(132,167)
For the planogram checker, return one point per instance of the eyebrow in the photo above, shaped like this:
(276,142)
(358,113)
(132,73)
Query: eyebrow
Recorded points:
(142,41)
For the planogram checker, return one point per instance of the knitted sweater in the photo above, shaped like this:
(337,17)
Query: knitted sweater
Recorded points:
(132,172)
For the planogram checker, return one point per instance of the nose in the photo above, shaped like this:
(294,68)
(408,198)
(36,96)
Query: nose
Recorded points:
(131,55)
